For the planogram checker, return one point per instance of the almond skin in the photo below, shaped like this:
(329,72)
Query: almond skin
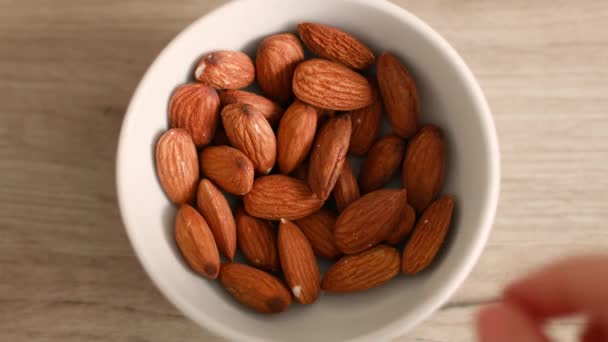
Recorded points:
(346,190)
(404,227)
(298,263)
(318,229)
(366,124)
(362,271)
(336,45)
(195,108)
(225,70)
(248,131)
(399,94)
(295,135)
(215,209)
(196,243)
(271,110)
(177,165)
(369,220)
(227,167)
(276,59)
(255,288)
(330,85)
(328,155)
(275,197)
(429,234)
(257,240)
(424,167)
(382,162)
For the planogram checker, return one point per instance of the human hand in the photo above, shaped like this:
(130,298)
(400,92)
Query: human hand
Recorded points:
(574,286)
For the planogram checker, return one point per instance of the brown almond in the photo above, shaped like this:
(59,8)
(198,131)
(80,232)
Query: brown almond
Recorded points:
(225,70)
(298,263)
(215,209)
(196,243)
(366,124)
(362,271)
(382,162)
(248,131)
(271,110)
(330,85)
(328,155)
(346,190)
(336,45)
(195,108)
(177,165)
(295,135)
(276,60)
(399,94)
(318,229)
(257,240)
(404,227)
(369,220)
(424,167)
(227,167)
(276,196)
(255,288)
(429,234)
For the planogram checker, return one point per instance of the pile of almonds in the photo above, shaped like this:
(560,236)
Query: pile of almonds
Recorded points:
(242,137)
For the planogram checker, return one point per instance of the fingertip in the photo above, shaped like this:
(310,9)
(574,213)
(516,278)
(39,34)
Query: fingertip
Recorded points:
(502,322)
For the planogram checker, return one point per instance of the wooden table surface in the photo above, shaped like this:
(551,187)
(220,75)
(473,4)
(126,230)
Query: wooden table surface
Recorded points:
(69,67)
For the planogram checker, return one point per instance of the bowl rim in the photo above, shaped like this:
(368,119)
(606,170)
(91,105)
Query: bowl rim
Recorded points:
(442,295)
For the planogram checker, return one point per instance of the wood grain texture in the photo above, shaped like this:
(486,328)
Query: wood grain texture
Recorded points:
(68,69)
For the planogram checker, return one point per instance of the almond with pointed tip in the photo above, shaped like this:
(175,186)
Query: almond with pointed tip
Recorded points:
(336,45)
(272,111)
(225,69)
(429,235)
(346,190)
(295,135)
(404,227)
(399,94)
(177,165)
(298,263)
(227,167)
(250,132)
(382,162)
(369,220)
(257,240)
(366,124)
(196,243)
(195,108)
(215,209)
(362,271)
(318,229)
(277,196)
(255,288)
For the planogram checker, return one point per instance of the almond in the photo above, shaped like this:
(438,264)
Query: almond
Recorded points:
(216,211)
(277,196)
(424,166)
(362,271)
(336,45)
(369,220)
(330,85)
(404,227)
(257,240)
(177,165)
(399,94)
(301,172)
(276,60)
(328,154)
(382,162)
(366,124)
(227,167)
(195,108)
(255,288)
(295,135)
(298,263)
(225,70)
(318,229)
(271,110)
(429,234)
(248,130)
(346,190)
(196,242)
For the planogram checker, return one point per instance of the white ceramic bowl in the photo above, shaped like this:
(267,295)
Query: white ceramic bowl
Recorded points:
(450,97)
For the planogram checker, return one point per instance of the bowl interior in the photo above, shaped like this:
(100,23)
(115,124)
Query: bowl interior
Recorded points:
(449,98)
